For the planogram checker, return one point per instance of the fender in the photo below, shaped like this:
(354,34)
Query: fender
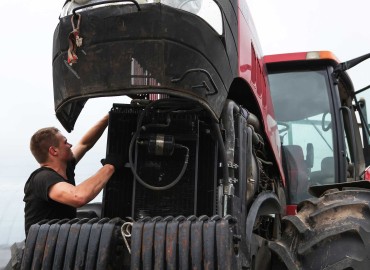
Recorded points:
(265,203)
(317,191)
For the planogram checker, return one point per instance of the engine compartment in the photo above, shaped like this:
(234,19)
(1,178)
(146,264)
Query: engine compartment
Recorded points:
(194,152)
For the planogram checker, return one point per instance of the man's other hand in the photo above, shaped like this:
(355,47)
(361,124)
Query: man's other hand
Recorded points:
(114,160)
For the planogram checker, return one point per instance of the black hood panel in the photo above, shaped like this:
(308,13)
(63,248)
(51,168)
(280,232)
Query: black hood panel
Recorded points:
(129,52)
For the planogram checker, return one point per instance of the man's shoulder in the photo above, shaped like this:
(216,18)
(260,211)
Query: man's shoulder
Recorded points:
(40,180)
(43,171)
(43,174)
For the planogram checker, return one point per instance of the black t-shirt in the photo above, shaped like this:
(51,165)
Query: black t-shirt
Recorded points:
(38,205)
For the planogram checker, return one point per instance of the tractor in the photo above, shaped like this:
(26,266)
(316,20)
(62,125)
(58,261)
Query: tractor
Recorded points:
(325,150)
(206,180)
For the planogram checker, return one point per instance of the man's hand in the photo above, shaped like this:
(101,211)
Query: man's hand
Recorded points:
(113,159)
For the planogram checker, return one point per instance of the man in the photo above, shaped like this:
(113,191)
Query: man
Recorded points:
(50,191)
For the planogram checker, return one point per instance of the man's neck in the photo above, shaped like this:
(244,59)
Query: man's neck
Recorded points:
(58,167)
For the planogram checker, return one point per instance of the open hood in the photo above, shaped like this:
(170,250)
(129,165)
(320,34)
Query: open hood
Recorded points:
(136,50)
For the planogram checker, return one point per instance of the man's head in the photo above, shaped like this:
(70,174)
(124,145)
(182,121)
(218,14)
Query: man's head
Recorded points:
(49,141)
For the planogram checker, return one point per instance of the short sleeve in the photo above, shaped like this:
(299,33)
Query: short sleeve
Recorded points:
(42,182)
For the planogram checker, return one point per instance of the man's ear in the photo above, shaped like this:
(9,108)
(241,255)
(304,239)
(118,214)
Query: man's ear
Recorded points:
(53,151)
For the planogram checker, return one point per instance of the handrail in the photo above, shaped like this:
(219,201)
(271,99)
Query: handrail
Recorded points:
(353,139)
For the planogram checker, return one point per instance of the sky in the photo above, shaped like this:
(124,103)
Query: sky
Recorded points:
(27,28)
(336,25)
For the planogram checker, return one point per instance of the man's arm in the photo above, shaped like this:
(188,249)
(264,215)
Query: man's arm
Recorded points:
(90,138)
(83,193)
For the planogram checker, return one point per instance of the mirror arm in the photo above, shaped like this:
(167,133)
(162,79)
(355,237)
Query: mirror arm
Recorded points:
(349,64)
(362,90)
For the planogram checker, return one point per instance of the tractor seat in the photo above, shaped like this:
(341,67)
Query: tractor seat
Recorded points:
(297,172)
(326,175)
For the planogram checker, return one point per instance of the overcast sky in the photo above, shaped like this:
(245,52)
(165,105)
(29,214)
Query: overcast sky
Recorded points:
(27,28)
(336,25)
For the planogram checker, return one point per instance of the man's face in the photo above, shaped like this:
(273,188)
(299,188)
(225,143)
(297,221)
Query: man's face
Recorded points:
(64,148)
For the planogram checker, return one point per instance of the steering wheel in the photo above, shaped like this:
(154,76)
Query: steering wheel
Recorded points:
(284,125)
(325,128)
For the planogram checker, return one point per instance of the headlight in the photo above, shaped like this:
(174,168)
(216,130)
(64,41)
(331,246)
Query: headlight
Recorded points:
(208,10)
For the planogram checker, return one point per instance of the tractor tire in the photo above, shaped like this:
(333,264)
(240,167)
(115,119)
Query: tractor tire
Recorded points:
(330,232)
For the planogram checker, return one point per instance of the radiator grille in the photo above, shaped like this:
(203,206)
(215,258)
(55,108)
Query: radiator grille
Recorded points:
(194,194)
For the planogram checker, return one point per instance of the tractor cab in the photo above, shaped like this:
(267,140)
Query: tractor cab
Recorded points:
(315,108)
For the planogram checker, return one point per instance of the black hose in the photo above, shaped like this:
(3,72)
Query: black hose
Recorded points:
(141,181)
(152,105)
(253,120)
(227,118)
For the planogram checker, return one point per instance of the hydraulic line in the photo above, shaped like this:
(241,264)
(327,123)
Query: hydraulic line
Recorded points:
(136,135)
(141,181)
